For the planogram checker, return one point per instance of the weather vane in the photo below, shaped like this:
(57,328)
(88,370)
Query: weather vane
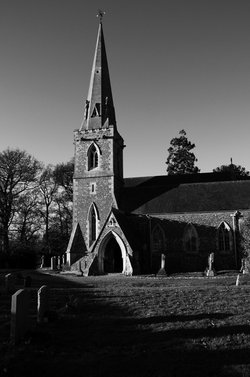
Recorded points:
(100,14)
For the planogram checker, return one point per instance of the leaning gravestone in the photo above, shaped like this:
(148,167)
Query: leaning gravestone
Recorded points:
(42,303)
(19,324)
(42,261)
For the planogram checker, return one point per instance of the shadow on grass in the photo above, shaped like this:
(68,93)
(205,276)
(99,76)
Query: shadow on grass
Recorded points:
(101,338)
(175,318)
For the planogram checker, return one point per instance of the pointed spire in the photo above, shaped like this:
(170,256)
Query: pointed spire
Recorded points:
(99,107)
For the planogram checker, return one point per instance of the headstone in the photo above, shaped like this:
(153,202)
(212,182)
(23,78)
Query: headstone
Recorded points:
(59,264)
(210,270)
(19,324)
(42,303)
(42,261)
(162,270)
(244,266)
(53,263)
(237,280)
(10,281)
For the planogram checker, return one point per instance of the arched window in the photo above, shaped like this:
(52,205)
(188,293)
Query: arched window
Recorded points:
(93,222)
(93,157)
(224,238)
(158,240)
(191,239)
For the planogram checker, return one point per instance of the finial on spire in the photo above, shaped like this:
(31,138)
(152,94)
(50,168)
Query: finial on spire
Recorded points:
(100,14)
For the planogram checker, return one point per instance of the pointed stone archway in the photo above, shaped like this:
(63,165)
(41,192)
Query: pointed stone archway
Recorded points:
(112,255)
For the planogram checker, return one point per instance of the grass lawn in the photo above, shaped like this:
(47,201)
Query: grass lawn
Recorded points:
(138,327)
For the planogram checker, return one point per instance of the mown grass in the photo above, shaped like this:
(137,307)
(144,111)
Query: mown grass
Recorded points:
(140,326)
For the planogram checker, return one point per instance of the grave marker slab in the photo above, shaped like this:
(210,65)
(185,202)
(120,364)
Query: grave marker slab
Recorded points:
(19,324)
(42,303)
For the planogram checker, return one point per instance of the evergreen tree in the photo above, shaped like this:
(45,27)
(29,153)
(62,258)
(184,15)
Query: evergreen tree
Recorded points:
(180,159)
(235,171)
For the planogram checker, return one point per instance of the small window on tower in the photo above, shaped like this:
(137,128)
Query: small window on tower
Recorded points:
(96,111)
(93,219)
(93,188)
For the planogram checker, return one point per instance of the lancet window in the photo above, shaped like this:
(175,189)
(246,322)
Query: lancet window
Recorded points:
(191,239)
(93,223)
(224,237)
(93,157)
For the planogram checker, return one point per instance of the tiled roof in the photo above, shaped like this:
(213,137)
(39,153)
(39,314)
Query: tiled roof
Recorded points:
(184,193)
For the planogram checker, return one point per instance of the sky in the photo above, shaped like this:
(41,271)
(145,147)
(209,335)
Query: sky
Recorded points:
(179,64)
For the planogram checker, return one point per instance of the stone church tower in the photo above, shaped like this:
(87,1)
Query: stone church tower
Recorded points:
(98,175)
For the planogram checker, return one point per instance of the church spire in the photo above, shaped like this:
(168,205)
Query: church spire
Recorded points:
(99,107)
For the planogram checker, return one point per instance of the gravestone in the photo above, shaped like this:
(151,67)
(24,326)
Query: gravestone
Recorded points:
(162,270)
(53,263)
(42,303)
(19,323)
(42,262)
(59,263)
(210,270)
(244,266)
(10,281)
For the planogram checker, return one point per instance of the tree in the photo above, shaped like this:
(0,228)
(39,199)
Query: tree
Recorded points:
(63,176)
(56,188)
(235,171)
(48,188)
(18,173)
(62,220)
(180,159)
(27,220)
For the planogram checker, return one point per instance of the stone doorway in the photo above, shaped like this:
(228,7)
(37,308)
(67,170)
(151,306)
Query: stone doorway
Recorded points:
(113,261)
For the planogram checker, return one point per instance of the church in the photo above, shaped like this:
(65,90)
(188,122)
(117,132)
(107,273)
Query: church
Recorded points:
(131,225)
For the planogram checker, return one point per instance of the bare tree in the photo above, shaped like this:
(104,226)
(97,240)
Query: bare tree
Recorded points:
(27,220)
(18,171)
(48,188)
(63,175)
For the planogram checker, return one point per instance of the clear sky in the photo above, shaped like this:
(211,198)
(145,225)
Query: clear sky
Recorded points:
(179,64)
